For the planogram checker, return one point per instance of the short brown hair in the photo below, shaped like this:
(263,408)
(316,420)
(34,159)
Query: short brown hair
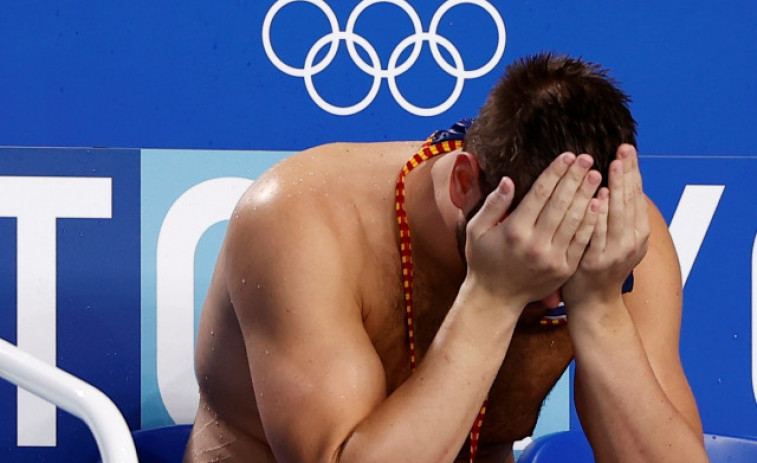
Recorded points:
(544,105)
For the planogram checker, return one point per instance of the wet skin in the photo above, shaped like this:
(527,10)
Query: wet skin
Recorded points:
(275,246)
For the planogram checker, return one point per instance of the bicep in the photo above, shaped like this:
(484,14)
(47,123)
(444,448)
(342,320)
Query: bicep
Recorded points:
(655,306)
(315,372)
(312,388)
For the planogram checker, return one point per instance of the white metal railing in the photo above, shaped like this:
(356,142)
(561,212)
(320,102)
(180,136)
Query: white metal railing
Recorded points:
(74,396)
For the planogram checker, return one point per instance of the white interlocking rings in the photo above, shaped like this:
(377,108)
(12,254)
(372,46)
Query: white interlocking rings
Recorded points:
(394,68)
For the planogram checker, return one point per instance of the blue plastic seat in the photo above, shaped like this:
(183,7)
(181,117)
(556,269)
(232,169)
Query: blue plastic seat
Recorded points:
(731,449)
(572,447)
(561,447)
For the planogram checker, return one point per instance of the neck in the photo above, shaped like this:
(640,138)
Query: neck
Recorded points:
(433,235)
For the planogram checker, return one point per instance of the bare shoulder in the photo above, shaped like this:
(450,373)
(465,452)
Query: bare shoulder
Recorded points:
(313,219)
(656,300)
(657,288)
(287,226)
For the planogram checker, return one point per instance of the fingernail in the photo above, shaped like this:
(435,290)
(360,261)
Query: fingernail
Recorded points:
(594,205)
(625,151)
(504,186)
(594,177)
(568,158)
(585,162)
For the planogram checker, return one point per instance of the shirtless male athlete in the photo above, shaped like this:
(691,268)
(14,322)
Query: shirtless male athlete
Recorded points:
(305,345)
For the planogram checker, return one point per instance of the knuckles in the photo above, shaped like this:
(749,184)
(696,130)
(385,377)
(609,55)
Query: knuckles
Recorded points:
(535,254)
(547,261)
(573,221)
(561,203)
(541,192)
(514,236)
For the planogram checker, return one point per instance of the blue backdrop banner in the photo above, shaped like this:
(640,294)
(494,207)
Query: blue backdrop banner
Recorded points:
(105,253)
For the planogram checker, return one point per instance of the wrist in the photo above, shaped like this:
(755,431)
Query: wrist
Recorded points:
(478,321)
(489,301)
(598,321)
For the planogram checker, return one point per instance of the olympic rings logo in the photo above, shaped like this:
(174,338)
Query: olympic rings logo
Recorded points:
(393,69)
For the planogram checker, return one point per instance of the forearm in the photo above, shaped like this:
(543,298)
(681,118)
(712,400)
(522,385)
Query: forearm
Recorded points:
(428,418)
(622,406)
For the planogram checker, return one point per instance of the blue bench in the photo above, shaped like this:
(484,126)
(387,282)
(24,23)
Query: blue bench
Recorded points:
(572,447)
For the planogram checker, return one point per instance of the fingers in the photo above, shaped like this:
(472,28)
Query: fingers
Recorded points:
(627,155)
(599,235)
(542,189)
(596,211)
(616,219)
(556,207)
(629,221)
(641,214)
(568,201)
(494,208)
(577,212)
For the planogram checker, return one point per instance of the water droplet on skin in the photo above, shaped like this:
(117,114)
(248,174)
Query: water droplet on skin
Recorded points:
(212,333)
(552,344)
(259,286)
(311,173)
(244,281)
(267,352)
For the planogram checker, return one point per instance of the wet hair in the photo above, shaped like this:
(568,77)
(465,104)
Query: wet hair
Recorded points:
(544,105)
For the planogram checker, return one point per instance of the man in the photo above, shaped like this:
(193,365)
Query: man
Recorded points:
(319,305)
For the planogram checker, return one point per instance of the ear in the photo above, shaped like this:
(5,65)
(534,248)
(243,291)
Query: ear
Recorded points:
(464,188)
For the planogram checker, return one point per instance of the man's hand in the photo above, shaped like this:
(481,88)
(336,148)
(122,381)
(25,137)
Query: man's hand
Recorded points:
(619,240)
(530,253)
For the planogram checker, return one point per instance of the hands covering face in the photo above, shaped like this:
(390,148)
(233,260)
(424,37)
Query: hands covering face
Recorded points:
(561,235)
(620,236)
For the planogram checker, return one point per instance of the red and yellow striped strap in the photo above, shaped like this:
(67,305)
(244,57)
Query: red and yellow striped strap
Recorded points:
(428,150)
